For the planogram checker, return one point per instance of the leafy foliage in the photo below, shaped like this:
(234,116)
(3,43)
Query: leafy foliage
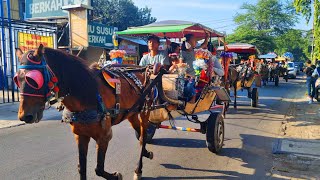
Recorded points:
(305,8)
(261,39)
(294,41)
(268,25)
(271,15)
(121,13)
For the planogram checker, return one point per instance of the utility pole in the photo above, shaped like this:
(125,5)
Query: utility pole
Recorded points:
(313,32)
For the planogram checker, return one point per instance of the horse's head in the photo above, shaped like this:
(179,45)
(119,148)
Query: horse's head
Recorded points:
(33,80)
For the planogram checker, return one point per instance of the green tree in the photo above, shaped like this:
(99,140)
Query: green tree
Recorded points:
(306,7)
(262,22)
(271,15)
(121,13)
(294,41)
(261,39)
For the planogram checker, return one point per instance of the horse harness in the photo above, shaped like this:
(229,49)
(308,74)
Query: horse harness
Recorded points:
(128,74)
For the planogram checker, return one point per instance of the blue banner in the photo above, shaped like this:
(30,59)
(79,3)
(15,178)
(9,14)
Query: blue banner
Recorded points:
(45,9)
(100,35)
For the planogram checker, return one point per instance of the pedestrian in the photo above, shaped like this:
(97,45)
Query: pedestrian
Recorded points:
(310,80)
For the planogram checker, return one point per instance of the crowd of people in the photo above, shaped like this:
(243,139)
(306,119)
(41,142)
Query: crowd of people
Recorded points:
(175,54)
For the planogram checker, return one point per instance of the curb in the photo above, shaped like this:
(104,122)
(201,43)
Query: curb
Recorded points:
(14,125)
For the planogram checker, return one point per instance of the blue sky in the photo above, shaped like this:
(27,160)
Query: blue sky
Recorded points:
(217,14)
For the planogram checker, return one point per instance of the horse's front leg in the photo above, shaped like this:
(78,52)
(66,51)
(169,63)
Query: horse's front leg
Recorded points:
(143,151)
(82,142)
(102,146)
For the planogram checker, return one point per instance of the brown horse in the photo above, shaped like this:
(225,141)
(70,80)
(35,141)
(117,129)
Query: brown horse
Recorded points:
(234,76)
(80,89)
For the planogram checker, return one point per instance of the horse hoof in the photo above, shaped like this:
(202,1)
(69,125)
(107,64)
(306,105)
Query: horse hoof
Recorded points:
(137,176)
(150,155)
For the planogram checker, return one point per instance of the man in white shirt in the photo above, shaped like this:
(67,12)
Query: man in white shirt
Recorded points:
(154,56)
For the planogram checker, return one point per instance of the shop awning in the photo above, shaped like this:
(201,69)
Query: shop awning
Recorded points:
(267,56)
(172,29)
(280,59)
(240,48)
(134,40)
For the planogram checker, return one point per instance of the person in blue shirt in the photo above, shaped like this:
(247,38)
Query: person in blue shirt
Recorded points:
(154,56)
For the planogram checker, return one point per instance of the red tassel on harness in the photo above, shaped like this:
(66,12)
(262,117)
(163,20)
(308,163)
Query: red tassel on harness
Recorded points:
(54,79)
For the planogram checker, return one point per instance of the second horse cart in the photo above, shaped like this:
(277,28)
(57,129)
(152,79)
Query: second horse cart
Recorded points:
(164,87)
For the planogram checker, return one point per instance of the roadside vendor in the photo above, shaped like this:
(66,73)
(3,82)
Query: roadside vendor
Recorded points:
(154,56)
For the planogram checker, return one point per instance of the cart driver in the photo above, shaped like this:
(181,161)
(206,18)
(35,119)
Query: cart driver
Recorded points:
(154,56)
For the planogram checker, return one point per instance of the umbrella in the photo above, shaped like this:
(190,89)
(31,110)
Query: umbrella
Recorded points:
(172,29)
(288,55)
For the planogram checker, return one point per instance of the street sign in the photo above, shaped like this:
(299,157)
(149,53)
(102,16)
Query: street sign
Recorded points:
(28,41)
(100,35)
(40,9)
(130,49)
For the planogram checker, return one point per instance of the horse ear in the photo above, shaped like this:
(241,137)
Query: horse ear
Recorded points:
(39,52)
(19,54)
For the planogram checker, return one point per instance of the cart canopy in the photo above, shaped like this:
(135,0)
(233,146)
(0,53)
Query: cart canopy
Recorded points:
(240,48)
(171,29)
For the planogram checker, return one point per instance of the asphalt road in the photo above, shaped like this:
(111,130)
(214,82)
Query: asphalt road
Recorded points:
(47,150)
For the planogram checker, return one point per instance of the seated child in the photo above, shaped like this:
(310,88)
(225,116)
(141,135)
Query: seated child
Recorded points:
(188,84)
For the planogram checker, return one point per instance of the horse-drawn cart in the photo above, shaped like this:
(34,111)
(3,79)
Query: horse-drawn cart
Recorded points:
(242,75)
(167,105)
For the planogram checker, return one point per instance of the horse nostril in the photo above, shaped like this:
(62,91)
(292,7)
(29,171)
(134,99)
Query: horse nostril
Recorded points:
(28,118)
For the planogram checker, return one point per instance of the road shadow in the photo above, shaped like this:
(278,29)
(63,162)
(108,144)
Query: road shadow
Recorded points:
(179,143)
(255,153)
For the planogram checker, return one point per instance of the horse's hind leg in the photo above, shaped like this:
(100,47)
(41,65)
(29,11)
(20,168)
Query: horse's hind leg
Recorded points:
(143,151)
(135,123)
(102,146)
(235,95)
(82,142)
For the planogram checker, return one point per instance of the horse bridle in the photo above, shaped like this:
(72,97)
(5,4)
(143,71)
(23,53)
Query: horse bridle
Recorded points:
(49,86)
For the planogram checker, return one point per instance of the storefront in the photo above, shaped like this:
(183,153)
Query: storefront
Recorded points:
(134,48)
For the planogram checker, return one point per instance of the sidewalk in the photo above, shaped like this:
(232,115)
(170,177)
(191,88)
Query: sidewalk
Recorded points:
(9,115)
(298,152)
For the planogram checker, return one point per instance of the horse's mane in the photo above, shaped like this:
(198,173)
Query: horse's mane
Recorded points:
(75,77)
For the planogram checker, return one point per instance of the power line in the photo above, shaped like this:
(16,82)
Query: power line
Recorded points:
(217,20)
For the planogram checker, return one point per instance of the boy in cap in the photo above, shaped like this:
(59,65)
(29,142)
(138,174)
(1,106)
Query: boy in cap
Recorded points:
(154,56)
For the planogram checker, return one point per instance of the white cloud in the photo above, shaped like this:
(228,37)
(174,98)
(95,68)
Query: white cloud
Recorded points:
(209,6)
(200,4)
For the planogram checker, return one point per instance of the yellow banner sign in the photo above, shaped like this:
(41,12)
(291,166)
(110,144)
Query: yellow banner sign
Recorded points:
(28,41)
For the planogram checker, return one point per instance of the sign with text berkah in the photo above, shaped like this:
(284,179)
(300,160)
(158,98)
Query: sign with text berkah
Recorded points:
(100,35)
(50,9)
